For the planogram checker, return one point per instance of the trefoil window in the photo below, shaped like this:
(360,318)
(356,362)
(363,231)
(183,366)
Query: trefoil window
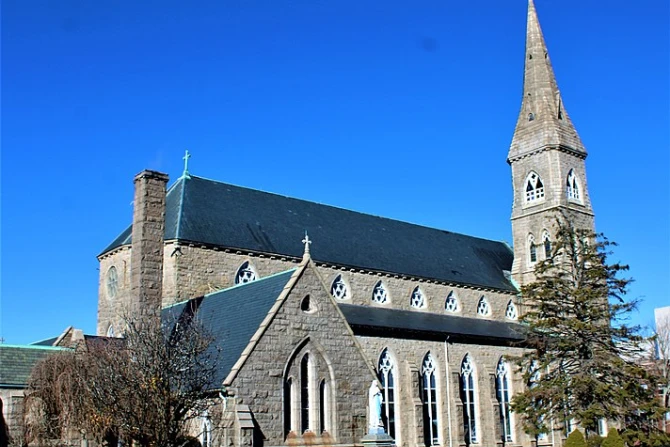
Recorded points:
(429,400)
(468,397)
(534,188)
(246,273)
(379,294)
(387,382)
(418,299)
(339,289)
(503,394)
(451,305)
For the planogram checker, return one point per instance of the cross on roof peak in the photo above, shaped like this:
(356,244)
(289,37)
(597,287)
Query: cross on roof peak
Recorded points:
(307,243)
(186,156)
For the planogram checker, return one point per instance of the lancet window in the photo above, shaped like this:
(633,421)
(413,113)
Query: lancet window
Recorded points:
(112,282)
(429,400)
(572,184)
(418,299)
(451,305)
(546,241)
(339,289)
(534,188)
(469,398)
(380,294)
(532,249)
(246,273)
(483,307)
(304,394)
(503,394)
(387,382)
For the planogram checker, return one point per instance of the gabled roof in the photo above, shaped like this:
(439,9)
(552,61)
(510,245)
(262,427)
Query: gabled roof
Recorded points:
(233,315)
(213,213)
(16,363)
(366,320)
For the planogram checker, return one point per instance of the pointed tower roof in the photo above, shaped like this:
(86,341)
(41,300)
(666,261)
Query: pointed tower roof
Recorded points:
(543,121)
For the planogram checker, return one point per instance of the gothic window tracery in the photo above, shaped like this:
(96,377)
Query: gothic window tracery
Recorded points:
(469,398)
(386,373)
(546,242)
(339,289)
(503,394)
(246,273)
(429,400)
(112,282)
(451,305)
(573,186)
(380,294)
(483,307)
(532,249)
(418,299)
(534,188)
(510,311)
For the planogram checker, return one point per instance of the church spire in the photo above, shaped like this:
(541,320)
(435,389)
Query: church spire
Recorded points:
(543,121)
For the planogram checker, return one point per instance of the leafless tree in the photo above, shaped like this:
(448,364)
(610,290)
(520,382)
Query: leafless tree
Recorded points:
(145,388)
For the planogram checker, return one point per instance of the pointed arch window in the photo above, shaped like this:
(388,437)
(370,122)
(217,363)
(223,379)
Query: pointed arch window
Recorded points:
(510,311)
(246,273)
(503,394)
(110,331)
(322,406)
(304,394)
(112,282)
(572,185)
(532,249)
(483,307)
(534,188)
(429,400)
(451,305)
(469,398)
(380,294)
(288,406)
(546,242)
(418,299)
(387,381)
(339,289)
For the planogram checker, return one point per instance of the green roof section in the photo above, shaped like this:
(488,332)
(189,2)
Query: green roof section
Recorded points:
(18,361)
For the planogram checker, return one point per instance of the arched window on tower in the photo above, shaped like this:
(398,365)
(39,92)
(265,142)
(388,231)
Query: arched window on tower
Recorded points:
(532,249)
(387,381)
(246,273)
(429,400)
(546,242)
(503,394)
(469,398)
(572,185)
(534,188)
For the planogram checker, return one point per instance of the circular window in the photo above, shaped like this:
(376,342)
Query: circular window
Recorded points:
(112,282)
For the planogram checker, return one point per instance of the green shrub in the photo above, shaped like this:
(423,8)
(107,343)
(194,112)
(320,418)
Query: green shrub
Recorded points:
(594,441)
(613,439)
(575,439)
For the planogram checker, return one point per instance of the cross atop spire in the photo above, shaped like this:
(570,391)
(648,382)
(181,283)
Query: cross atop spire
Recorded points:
(186,156)
(543,121)
(307,243)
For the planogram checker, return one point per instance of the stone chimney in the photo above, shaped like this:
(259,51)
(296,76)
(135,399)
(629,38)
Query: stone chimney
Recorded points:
(146,259)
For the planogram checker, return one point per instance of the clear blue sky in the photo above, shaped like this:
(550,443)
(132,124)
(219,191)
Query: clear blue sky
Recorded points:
(395,108)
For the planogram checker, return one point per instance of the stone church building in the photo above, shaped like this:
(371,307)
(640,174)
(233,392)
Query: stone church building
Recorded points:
(305,327)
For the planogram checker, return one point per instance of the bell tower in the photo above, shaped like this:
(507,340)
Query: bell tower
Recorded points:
(547,159)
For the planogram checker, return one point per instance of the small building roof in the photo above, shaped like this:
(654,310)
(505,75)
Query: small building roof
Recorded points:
(17,362)
(207,212)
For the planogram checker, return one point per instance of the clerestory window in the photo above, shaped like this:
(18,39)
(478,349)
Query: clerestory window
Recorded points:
(451,305)
(429,401)
(483,307)
(534,188)
(503,394)
(418,299)
(380,294)
(572,186)
(246,273)
(469,398)
(339,289)
(386,373)
(510,311)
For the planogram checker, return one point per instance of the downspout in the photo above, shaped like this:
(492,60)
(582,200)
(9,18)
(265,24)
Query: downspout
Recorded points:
(446,368)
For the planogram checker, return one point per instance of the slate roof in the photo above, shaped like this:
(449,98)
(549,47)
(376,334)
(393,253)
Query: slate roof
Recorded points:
(214,213)
(16,363)
(233,315)
(366,320)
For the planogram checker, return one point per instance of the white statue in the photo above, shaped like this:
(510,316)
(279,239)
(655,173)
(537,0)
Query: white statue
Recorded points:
(375,423)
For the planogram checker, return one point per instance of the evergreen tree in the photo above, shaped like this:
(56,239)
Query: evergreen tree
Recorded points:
(581,365)
(613,439)
(575,439)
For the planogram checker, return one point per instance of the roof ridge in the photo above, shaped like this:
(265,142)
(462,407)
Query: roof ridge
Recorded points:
(344,209)
(38,347)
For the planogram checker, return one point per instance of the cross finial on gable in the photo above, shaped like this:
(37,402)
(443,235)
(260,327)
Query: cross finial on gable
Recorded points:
(186,156)
(307,243)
